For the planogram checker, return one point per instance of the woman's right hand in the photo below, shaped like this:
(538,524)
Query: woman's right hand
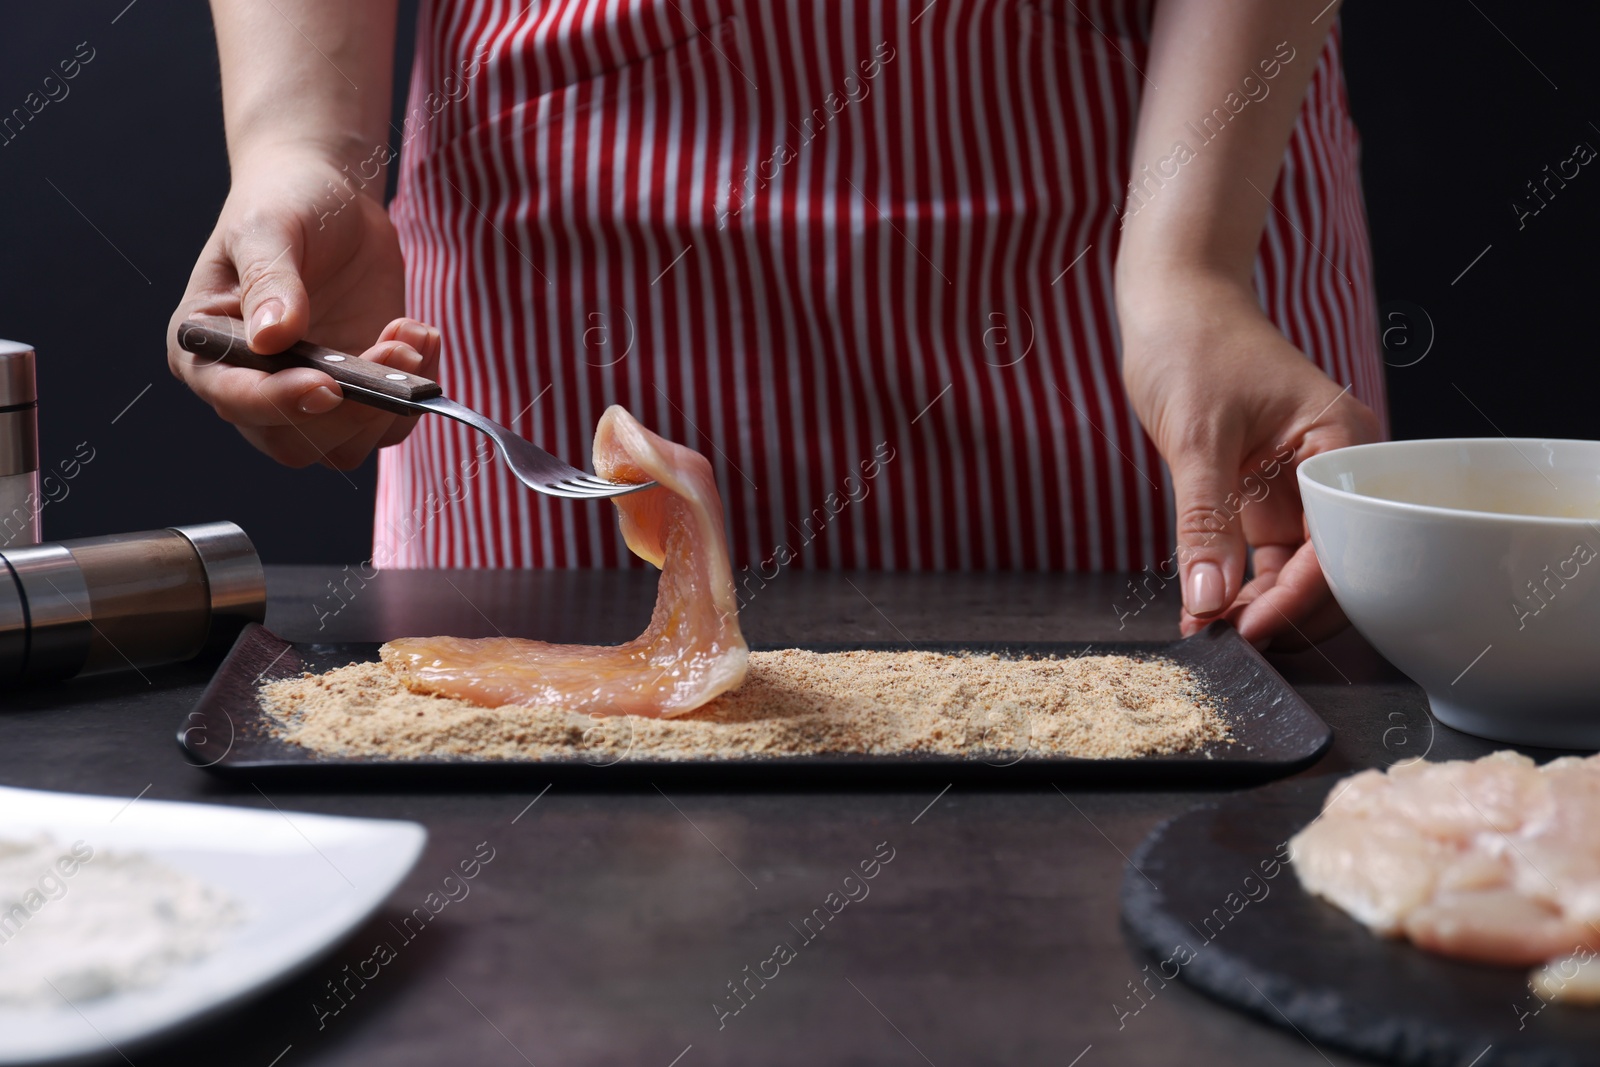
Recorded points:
(295,261)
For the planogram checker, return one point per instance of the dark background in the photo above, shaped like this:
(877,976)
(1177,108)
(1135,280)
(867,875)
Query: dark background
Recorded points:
(107,196)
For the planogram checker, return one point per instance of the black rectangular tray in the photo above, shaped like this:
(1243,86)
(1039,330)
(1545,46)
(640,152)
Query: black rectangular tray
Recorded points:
(1275,732)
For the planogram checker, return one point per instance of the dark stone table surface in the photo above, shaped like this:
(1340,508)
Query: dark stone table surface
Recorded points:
(609,924)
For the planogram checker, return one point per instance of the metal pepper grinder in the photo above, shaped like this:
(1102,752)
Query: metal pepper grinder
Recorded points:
(125,601)
(19,447)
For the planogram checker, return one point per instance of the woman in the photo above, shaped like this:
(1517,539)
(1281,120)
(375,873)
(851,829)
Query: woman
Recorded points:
(876,261)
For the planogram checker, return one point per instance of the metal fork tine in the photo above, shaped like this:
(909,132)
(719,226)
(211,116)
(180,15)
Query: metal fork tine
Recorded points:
(532,465)
(597,482)
(587,486)
(594,481)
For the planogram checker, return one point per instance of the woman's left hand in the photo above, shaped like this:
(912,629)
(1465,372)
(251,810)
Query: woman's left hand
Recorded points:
(1234,408)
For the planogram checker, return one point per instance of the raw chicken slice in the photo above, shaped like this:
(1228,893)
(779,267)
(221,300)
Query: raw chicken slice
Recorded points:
(1383,869)
(1451,800)
(1493,925)
(691,651)
(1495,860)
(1552,845)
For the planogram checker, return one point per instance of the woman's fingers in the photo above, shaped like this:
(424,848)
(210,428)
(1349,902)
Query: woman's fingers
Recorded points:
(248,398)
(419,336)
(1296,609)
(298,416)
(251,398)
(1325,621)
(211,292)
(255,399)
(411,346)
(1211,543)
(1267,561)
(425,342)
(1289,604)
(404,344)
(272,296)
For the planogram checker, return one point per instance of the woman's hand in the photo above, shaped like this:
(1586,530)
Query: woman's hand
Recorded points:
(1233,407)
(296,261)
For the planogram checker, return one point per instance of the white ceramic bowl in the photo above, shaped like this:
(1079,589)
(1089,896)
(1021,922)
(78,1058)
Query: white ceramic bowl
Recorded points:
(1474,566)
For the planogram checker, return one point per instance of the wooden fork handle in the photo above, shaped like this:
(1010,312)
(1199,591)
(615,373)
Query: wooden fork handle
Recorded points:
(216,337)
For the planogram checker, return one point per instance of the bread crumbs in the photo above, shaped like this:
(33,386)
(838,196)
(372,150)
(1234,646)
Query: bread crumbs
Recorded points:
(792,703)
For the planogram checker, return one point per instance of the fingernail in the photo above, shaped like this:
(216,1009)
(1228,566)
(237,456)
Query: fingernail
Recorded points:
(270,313)
(319,401)
(1205,589)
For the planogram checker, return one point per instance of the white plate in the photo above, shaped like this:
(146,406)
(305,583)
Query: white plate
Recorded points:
(302,881)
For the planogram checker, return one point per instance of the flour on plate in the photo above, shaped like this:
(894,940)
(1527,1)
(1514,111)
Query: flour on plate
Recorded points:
(79,923)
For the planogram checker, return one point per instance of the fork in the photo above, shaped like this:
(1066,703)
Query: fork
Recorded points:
(223,338)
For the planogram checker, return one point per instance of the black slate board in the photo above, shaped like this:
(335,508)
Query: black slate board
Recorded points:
(1295,960)
(1275,732)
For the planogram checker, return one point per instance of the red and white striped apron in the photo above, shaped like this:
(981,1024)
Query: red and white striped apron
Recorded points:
(859,255)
